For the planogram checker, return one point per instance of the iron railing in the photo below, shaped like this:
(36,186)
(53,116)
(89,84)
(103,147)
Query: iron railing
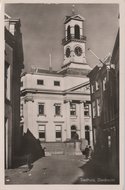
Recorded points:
(73,38)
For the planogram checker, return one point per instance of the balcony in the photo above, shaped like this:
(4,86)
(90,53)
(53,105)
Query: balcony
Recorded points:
(70,38)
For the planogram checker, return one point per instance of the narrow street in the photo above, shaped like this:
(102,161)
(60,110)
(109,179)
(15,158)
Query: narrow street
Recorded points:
(60,169)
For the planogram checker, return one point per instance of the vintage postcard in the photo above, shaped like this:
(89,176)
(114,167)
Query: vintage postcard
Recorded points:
(63,116)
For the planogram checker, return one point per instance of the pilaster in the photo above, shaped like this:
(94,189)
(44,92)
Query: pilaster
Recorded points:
(82,120)
(68,132)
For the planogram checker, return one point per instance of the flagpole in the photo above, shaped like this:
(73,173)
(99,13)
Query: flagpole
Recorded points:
(50,62)
(95,55)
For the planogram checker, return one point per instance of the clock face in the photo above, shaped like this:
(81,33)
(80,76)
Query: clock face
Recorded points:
(78,51)
(67,52)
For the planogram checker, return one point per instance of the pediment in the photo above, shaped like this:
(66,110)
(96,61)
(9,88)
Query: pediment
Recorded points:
(82,88)
(78,17)
(75,17)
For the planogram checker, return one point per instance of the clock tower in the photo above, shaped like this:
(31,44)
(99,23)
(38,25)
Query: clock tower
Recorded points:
(74,44)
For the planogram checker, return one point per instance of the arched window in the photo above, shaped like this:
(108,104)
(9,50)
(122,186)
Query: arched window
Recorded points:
(73,127)
(73,131)
(68,33)
(77,32)
(87,128)
(87,133)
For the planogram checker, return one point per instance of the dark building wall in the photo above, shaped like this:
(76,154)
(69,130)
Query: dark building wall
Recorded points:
(14,62)
(107,124)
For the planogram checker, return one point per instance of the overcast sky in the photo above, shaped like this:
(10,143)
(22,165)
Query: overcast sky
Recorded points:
(42,27)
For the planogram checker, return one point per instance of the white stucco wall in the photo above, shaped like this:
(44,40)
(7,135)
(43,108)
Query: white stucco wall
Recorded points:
(32,119)
(73,57)
(30,81)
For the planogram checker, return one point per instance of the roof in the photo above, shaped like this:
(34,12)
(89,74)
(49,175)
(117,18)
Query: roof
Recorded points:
(74,17)
(116,48)
(70,71)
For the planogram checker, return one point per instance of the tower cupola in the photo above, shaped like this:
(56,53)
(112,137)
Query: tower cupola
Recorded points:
(74,43)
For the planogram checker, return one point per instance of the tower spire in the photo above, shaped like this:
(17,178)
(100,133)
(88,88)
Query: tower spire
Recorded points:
(73,9)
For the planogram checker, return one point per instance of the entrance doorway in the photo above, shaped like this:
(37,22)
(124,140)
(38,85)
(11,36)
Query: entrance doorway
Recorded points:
(73,131)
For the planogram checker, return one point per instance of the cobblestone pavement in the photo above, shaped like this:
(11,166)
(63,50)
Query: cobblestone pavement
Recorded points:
(56,169)
(61,169)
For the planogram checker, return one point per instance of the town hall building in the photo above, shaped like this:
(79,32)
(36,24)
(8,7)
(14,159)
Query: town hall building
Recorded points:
(55,105)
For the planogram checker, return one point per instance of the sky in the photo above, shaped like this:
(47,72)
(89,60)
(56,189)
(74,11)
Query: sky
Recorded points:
(42,27)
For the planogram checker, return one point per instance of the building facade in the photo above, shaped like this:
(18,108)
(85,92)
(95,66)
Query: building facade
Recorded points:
(55,105)
(13,68)
(104,82)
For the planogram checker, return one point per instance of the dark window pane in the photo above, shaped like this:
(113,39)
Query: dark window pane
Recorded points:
(56,83)
(57,110)
(77,32)
(58,134)
(41,109)
(87,127)
(73,127)
(68,32)
(42,135)
(73,112)
(40,82)
(21,84)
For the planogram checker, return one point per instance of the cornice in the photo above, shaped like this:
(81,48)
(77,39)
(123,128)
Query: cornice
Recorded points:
(55,92)
(28,99)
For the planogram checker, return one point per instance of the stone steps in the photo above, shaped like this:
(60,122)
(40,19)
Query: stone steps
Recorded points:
(62,148)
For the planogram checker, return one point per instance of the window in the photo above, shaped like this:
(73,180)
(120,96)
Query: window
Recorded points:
(86,109)
(57,109)
(94,109)
(104,110)
(21,83)
(92,88)
(98,107)
(40,82)
(94,134)
(68,32)
(56,83)
(96,85)
(104,84)
(77,32)
(109,141)
(58,132)
(41,109)
(42,132)
(72,109)
(21,110)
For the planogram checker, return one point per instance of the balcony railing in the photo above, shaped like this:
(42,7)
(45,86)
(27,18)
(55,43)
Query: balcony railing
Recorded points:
(73,38)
